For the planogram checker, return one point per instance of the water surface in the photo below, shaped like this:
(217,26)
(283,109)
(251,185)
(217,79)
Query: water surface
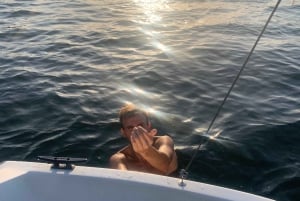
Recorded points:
(67,67)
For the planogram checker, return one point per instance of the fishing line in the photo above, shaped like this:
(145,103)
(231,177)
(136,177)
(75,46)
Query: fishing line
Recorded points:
(184,172)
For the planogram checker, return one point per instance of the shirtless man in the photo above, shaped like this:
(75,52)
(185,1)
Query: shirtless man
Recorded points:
(146,152)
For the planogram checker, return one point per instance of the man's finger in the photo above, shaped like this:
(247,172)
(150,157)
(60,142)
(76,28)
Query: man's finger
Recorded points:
(153,132)
(135,142)
(140,129)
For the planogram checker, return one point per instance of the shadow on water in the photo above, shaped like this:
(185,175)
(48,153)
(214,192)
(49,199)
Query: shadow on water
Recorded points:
(264,161)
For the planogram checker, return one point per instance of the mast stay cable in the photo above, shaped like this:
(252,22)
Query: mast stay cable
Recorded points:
(184,172)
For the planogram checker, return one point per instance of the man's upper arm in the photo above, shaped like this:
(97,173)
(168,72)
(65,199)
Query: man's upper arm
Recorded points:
(165,145)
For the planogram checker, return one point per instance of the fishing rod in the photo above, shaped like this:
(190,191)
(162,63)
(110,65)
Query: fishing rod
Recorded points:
(184,172)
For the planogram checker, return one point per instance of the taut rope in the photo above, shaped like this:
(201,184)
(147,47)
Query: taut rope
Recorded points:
(184,172)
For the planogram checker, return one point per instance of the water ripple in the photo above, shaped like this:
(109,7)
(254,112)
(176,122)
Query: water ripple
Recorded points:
(67,67)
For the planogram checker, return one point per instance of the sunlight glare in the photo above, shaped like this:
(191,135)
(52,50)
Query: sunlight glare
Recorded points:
(137,91)
(187,120)
(151,8)
(161,46)
(213,136)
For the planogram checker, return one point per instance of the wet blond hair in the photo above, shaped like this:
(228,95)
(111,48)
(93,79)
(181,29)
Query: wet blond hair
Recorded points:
(130,110)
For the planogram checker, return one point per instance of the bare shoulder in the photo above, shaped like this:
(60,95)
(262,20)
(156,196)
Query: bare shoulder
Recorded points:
(118,161)
(163,140)
(119,156)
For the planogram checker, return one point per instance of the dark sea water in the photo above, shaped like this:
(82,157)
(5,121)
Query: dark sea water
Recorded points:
(66,67)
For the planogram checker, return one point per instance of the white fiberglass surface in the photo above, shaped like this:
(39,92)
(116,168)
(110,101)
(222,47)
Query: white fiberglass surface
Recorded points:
(36,186)
(21,181)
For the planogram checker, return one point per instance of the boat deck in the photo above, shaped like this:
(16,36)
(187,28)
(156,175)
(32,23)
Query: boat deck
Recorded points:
(39,182)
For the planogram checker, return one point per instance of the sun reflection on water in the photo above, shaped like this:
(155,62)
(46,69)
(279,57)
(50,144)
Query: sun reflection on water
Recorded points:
(151,9)
(212,135)
(143,99)
(137,91)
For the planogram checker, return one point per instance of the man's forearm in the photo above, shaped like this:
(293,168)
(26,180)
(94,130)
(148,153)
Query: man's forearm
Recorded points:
(156,159)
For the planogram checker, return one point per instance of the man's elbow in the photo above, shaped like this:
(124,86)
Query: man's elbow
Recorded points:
(172,165)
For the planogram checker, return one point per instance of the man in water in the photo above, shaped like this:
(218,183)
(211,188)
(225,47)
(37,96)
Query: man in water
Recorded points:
(146,152)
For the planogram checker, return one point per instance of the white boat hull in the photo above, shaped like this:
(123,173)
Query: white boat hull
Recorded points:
(30,181)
